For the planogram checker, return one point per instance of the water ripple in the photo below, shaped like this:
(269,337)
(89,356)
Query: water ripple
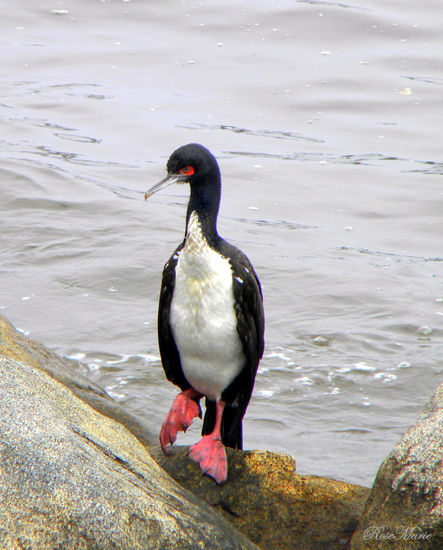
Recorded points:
(276,134)
(384,253)
(332,4)
(365,159)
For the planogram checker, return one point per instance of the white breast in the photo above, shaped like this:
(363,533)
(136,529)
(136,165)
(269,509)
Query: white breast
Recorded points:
(202,316)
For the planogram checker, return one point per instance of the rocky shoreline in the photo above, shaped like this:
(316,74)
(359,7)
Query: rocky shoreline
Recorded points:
(78,472)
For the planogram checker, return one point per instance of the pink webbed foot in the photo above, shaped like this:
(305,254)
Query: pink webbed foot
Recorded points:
(210,453)
(183,411)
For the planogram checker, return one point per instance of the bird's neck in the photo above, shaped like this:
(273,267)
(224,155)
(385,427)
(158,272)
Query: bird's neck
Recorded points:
(203,210)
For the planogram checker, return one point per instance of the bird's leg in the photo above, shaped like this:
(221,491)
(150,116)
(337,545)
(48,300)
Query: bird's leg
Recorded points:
(210,452)
(185,408)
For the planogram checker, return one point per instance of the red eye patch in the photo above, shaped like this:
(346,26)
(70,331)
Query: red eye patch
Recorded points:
(187,171)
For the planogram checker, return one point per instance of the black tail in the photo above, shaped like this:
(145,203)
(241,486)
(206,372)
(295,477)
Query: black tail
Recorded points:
(231,428)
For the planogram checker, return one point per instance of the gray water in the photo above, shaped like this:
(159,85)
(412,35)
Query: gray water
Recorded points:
(326,119)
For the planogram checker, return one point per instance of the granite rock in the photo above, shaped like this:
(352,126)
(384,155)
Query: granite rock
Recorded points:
(72,478)
(405,508)
(72,374)
(273,506)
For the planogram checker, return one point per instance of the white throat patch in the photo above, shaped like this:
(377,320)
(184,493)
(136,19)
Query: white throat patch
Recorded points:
(202,315)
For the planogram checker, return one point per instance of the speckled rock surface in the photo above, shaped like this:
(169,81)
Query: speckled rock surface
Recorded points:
(271,505)
(405,507)
(70,373)
(72,478)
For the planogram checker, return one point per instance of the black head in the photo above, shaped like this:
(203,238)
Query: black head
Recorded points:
(191,163)
(195,165)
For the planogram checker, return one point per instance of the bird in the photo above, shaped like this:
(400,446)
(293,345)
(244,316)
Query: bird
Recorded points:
(210,319)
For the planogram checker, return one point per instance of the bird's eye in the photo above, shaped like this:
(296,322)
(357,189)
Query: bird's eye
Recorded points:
(187,170)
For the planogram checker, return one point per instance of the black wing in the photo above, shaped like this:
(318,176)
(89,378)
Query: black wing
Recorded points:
(168,350)
(251,325)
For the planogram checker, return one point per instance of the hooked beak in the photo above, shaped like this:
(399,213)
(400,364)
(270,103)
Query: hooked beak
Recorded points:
(168,180)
